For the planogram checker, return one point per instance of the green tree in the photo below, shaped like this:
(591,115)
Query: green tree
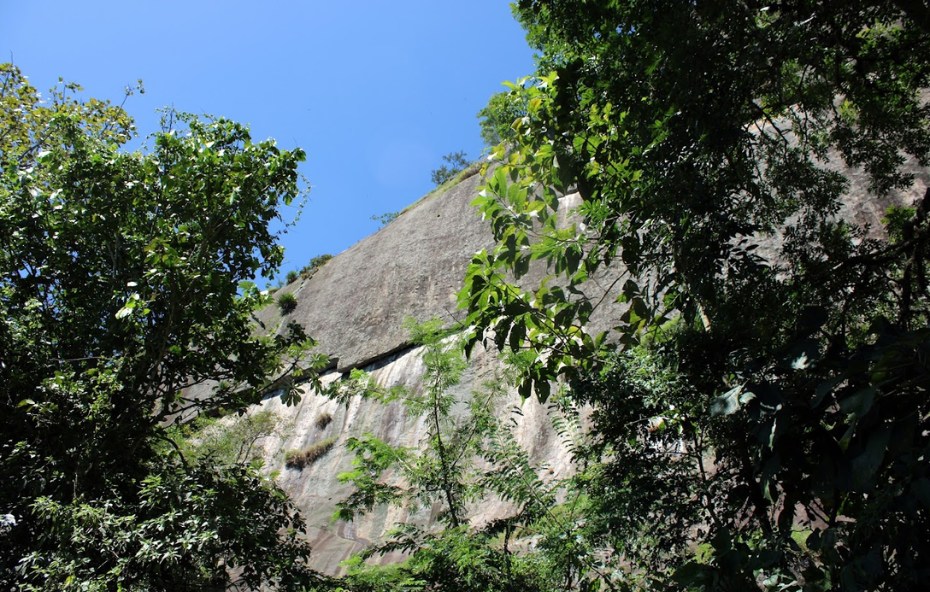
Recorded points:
(456,163)
(498,117)
(439,472)
(385,219)
(125,280)
(691,134)
(229,440)
(468,457)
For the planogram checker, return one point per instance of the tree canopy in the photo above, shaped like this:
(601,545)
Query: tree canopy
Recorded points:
(125,278)
(760,421)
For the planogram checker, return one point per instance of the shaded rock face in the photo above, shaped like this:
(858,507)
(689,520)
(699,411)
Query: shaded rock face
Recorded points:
(355,306)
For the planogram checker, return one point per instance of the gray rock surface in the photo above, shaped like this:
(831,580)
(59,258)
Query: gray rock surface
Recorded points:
(316,488)
(355,306)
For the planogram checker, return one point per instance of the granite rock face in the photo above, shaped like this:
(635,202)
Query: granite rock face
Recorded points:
(355,306)
(316,488)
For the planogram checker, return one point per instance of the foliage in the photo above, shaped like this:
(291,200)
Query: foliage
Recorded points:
(286,302)
(183,515)
(498,117)
(292,276)
(457,560)
(470,458)
(299,459)
(450,470)
(437,473)
(315,264)
(795,383)
(552,513)
(456,163)
(385,219)
(125,280)
(228,440)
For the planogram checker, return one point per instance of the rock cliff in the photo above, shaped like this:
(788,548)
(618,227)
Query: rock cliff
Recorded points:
(355,306)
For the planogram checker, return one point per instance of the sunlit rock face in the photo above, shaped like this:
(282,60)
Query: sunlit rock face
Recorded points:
(356,305)
(316,488)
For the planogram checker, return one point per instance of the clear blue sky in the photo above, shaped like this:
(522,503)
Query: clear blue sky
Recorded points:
(375,91)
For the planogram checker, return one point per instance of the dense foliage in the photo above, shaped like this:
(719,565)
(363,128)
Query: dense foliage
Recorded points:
(287,302)
(760,408)
(496,119)
(124,280)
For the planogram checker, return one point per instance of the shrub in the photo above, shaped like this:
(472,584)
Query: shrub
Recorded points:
(232,441)
(298,459)
(322,420)
(315,264)
(292,276)
(287,302)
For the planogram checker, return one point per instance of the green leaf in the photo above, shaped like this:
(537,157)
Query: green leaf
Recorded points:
(865,465)
(727,403)
(692,574)
(859,403)
(825,388)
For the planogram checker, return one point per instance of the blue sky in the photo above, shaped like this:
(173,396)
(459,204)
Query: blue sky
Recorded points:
(375,92)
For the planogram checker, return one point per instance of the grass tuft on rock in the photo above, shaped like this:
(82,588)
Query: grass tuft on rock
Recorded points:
(287,302)
(322,420)
(299,459)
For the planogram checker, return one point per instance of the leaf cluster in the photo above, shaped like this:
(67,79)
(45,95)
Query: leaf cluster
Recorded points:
(499,116)
(386,218)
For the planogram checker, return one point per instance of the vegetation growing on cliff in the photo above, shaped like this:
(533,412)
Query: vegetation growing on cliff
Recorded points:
(782,398)
(385,219)
(286,302)
(300,459)
(315,264)
(456,162)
